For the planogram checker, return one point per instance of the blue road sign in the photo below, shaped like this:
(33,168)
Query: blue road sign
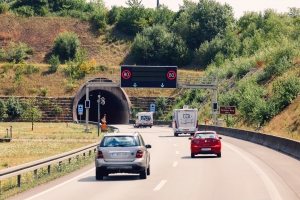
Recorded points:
(152,107)
(80,108)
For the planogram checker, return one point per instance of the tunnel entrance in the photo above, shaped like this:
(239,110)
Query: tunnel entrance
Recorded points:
(113,108)
(117,104)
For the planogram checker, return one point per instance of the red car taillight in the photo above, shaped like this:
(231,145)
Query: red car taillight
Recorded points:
(195,141)
(139,154)
(175,124)
(100,154)
(197,124)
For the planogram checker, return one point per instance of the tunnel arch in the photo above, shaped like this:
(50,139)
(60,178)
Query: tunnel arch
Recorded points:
(117,105)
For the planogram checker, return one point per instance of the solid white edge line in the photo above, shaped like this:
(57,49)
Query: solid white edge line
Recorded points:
(53,188)
(175,163)
(273,192)
(160,185)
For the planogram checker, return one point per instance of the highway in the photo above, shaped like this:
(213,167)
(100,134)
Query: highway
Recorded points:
(246,171)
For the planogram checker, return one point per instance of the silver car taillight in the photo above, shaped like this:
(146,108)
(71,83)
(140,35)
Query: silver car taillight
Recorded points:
(100,154)
(139,154)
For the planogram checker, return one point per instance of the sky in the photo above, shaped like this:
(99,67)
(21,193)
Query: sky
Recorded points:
(239,6)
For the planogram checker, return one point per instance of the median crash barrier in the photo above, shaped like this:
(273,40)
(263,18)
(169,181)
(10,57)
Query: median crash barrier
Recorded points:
(284,145)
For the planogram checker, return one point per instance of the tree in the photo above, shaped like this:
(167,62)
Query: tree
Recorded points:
(13,106)
(31,113)
(201,22)
(134,3)
(156,44)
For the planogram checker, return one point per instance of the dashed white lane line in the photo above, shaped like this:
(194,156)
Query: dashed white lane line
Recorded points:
(160,185)
(177,152)
(175,163)
(175,145)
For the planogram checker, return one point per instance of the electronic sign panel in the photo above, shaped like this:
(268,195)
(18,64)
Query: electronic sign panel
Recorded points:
(149,76)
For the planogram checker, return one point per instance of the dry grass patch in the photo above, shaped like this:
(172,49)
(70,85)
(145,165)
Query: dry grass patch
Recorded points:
(49,131)
(47,139)
(17,153)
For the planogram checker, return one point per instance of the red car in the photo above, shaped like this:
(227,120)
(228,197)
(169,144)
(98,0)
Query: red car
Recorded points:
(205,142)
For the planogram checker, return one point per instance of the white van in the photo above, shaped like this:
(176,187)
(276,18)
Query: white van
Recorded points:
(143,119)
(185,121)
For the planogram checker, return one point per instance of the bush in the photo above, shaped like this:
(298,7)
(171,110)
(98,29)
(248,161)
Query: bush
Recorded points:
(4,8)
(66,45)
(2,110)
(285,90)
(54,63)
(13,106)
(57,110)
(24,11)
(16,53)
(30,69)
(134,111)
(2,55)
(44,91)
(46,102)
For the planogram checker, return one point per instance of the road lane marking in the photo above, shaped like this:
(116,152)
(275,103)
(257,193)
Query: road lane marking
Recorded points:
(177,152)
(160,185)
(273,192)
(57,186)
(175,145)
(175,164)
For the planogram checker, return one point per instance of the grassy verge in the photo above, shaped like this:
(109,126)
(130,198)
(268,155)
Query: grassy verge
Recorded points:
(9,187)
(46,139)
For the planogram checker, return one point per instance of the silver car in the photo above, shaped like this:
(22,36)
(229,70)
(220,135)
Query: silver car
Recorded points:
(122,153)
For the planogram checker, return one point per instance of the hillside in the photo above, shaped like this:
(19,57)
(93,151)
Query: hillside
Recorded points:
(110,51)
(40,33)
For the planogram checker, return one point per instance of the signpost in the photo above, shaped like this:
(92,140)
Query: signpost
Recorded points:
(152,107)
(149,76)
(227,110)
(80,111)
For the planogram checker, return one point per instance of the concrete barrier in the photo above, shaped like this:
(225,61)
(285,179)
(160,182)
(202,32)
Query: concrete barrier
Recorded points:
(284,145)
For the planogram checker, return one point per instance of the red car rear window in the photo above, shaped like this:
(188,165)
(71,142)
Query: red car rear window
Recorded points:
(205,135)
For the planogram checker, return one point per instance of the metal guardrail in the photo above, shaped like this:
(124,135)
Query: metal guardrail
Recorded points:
(32,166)
(17,171)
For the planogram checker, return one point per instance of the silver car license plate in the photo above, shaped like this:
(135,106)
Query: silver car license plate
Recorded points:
(119,154)
(205,149)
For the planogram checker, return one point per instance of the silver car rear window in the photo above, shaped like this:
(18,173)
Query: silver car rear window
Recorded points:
(119,141)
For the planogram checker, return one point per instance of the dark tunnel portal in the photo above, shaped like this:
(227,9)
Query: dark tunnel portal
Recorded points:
(113,108)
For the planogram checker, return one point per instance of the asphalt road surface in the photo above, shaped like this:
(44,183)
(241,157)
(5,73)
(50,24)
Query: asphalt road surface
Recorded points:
(246,171)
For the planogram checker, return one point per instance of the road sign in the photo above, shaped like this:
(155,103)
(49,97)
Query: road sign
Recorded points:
(80,109)
(87,103)
(227,110)
(152,107)
(149,76)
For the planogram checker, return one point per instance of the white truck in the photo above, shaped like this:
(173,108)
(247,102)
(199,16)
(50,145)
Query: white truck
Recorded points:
(143,119)
(185,121)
